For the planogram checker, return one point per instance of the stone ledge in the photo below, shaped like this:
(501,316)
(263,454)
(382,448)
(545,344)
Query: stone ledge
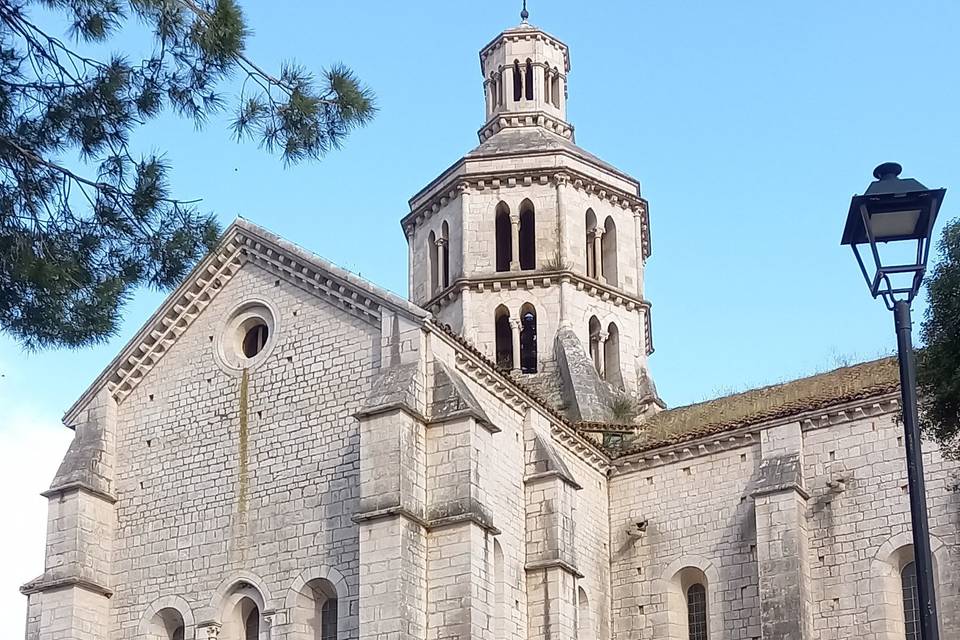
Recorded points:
(779,474)
(539,565)
(549,475)
(41,585)
(389,512)
(391,408)
(437,523)
(478,417)
(53,492)
(474,518)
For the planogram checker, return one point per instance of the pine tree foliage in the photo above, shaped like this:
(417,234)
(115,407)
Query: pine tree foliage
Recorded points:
(938,363)
(83,221)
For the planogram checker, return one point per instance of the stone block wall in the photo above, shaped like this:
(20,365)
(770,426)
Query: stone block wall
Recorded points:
(697,516)
(202,505)
(860,528)
(801,534)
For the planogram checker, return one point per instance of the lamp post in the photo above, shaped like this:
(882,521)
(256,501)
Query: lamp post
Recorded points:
(895,218)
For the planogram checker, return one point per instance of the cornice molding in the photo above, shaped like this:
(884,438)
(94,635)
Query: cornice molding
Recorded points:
(43,584)
(527,280)
(516,119)
(750,435)
(176,317)
(242,242)
(528,32)
(850,412)
(517,280)
(455,184)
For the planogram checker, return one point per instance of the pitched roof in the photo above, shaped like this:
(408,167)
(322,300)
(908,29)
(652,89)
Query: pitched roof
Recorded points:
(823,390)
(525,140)
(242,241)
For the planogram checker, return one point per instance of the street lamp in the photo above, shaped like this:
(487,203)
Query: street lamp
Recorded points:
(895,218)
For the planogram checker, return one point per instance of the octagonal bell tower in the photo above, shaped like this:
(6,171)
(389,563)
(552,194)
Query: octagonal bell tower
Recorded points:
(525,81)
(534,249)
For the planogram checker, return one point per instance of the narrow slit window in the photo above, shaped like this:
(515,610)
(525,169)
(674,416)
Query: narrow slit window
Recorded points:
(911,601)
(529,83)
(517,82)
(697,611)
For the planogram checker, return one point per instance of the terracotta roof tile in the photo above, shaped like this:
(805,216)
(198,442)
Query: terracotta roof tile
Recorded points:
(759,405)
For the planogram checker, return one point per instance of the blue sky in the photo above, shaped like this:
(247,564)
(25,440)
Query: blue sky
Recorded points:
(749,124)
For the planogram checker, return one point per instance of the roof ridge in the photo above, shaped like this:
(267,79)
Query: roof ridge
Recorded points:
(785,383)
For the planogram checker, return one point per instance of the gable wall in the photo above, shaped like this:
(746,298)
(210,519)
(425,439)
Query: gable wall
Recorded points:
(181,527)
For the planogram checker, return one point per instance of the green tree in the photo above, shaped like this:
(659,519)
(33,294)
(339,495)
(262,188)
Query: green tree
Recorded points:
(938,363)
(76,238)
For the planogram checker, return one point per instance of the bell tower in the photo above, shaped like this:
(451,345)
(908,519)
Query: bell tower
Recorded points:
(534,249)
(525,81)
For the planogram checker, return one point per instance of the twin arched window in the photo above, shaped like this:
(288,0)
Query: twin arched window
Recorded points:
(522,80)
(515,341)
(551,86)
(601,248)
(605,351)
(515,237)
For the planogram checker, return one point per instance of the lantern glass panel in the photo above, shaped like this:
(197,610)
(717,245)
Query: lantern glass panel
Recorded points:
(894,224)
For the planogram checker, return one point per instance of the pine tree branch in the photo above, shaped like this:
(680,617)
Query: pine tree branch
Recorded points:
(250,67)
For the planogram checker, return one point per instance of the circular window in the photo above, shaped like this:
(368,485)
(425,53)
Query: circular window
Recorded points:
(248,336)
(255,339)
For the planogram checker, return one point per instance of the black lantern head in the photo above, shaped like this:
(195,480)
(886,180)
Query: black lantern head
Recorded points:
(897,213)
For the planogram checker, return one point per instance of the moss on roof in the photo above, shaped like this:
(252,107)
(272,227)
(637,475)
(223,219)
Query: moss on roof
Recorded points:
(846,384)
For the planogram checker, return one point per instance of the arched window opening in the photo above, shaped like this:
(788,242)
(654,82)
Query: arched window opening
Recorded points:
(529,83)
(517,82)
(584,621)
(608,245)
(596,350)
(504,237)
(242,613)
(555,89)
(611,357)
(251,624)
(528,236)
(697,611)
(590,225)
(432,252)
(528,339)
(445,255)
(166,624)
(315,611)
(503,337)
(499,593)
(546,83)
(500,88)
(911,601)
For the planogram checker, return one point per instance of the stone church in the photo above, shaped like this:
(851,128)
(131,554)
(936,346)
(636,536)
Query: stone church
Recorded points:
(288,452)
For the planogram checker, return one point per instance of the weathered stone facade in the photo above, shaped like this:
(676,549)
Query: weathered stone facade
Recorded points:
(286,451)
